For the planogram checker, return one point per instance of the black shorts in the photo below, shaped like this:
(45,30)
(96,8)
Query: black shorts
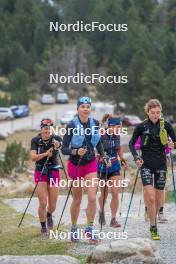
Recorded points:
(109,175)
(156,178)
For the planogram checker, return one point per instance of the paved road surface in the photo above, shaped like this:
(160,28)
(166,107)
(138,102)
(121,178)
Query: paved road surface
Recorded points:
(33,121)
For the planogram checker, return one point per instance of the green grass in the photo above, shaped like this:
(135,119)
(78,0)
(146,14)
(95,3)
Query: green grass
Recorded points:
(82,259)
(25,240)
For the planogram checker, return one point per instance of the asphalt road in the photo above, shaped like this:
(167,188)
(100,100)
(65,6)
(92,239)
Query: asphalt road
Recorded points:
(32,122)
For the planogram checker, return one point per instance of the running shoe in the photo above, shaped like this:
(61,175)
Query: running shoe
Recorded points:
(44,232)
(114,223)
(90,235)
(50,222)
(161,218)
(74,233)
(102,219)
(154,233)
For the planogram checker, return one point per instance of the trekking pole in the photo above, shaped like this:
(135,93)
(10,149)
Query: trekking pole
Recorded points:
(124,176)
(66,176)
(131,199)
(79,161)
(101,169)
(173,178)
(33,192)
(140,202)
(104,197)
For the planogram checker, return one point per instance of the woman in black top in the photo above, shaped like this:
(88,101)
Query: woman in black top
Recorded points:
(154,133)
(43,146)
(111,175)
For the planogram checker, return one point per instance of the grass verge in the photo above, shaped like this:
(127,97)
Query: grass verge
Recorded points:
(26,240)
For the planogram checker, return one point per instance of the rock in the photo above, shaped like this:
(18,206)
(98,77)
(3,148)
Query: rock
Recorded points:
(38,259)
(3,136)
(130,251)
(22,189)
(26,188)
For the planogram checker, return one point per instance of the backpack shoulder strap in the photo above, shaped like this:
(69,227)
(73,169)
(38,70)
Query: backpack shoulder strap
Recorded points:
(162,123)
(75,121)
(92,122)
(145,123)
(39,139)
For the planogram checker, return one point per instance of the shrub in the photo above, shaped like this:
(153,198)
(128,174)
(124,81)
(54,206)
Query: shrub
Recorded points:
(14,158)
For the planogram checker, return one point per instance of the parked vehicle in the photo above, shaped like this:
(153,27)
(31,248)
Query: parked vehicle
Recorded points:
(62,98)
(131,120)
(47,99)
(67,117)
(20,110)
(6,113)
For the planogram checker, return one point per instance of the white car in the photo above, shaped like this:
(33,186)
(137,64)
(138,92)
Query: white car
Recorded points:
(47,99)
(101,108)
(67,117)
(62,98)
(6,113)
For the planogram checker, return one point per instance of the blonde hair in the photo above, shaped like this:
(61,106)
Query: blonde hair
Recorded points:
(152,103)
